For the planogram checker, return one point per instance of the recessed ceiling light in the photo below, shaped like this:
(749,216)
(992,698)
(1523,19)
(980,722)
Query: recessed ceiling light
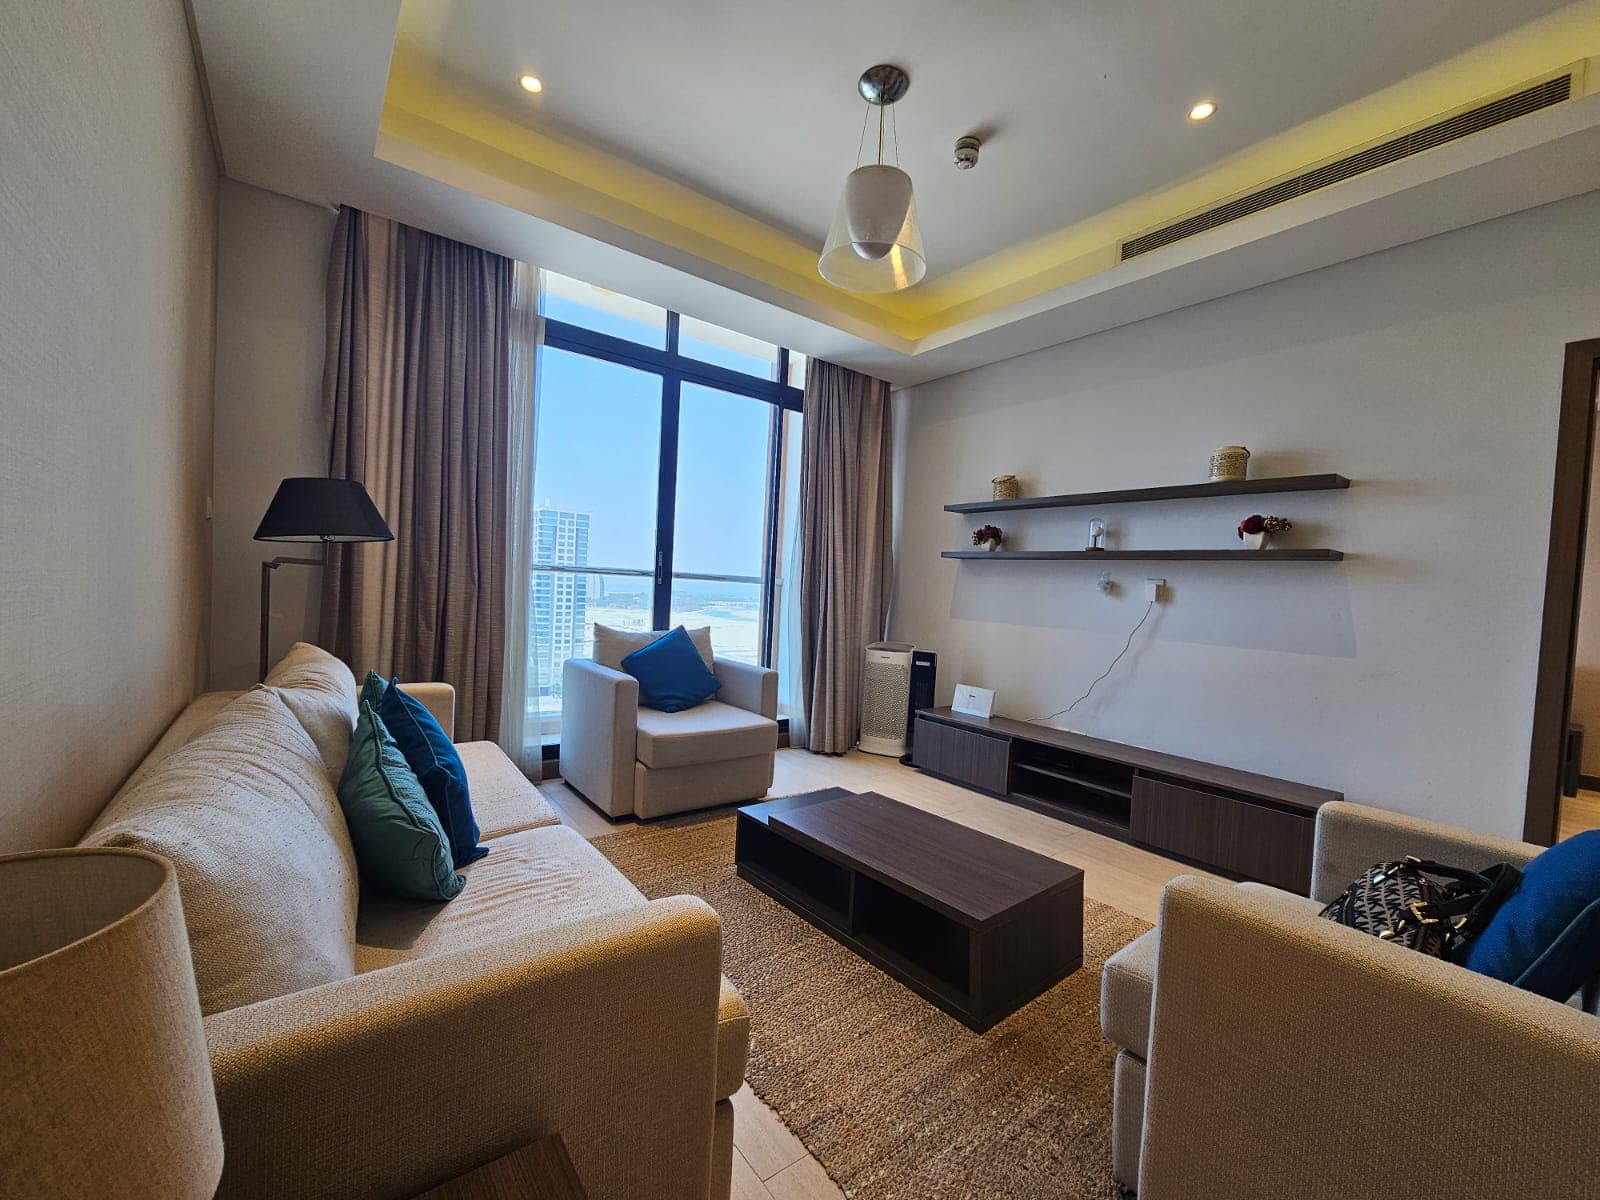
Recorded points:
(530,83)
(1202,110)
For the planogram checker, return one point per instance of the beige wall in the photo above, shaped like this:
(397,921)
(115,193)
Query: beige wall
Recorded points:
(271,284)
(107,239)
(1404,676)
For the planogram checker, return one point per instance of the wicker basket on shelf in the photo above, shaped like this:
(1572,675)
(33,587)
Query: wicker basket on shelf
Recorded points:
(1006,487)
(1229,462)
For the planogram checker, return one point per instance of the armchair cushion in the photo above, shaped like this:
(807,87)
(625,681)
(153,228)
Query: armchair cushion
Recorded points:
(708,733)
(1546,937)
(429,752)
(611,646)
(672,676)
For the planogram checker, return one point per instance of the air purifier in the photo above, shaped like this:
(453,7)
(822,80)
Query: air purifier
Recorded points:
(885,697)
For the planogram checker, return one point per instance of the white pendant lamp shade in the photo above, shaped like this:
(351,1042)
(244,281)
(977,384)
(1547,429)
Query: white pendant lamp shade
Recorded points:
(874,244)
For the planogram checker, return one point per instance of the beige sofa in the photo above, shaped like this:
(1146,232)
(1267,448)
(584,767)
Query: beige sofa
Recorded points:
(1265,1052)
(363,1046)
(628,760)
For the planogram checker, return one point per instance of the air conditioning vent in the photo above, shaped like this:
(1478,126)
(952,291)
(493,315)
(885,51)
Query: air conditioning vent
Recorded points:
(1485,116)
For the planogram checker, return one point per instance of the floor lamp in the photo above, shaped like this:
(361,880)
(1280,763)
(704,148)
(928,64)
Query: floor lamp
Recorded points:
(314,510)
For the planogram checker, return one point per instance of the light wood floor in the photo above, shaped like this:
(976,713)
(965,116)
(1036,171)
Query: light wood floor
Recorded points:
(1579,813)
(769,1163)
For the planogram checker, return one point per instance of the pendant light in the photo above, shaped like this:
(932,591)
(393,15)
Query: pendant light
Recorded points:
(874,244)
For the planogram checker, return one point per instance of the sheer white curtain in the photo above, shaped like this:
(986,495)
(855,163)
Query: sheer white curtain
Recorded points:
(519,733)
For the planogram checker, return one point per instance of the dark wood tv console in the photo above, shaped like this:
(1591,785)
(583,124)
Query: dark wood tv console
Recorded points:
(1233,822)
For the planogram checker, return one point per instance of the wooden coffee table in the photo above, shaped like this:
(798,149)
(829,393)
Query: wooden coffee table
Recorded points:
(974,924)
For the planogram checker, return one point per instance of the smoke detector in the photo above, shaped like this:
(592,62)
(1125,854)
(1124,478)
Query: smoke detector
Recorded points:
(967,152)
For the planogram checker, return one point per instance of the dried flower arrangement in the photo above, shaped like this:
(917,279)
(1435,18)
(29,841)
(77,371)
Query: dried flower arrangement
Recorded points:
(988,535)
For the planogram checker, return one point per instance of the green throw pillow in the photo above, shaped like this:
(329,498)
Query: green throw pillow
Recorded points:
(400,845)
(372,689)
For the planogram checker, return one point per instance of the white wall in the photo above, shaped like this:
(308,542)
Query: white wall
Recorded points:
(271,287)
(108,240)
(1403,676)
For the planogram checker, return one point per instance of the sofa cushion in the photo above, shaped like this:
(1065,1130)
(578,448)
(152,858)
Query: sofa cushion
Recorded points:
(248,816)
(672,676)
(502,798)
(709,732)
(532,880)
(611,646)
(401,847)
(321,692)
(427,748)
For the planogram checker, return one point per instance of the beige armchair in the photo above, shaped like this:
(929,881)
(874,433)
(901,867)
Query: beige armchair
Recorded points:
(1265,1052)
(625,759)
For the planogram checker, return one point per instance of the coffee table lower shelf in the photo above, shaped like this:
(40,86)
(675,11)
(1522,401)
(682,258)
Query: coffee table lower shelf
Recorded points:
(978,973)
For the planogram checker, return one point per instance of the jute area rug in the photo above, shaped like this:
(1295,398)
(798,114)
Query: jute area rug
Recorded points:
(890,1095)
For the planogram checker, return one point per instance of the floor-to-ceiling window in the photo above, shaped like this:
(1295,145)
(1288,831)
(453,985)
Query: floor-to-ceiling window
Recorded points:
(665,476)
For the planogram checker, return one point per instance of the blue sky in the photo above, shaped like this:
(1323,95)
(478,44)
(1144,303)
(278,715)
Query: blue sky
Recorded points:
(599,446)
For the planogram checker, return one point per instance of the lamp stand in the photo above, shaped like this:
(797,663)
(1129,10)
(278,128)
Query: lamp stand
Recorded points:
(267,568)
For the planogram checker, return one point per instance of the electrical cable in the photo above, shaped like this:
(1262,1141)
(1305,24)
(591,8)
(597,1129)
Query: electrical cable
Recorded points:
(1149,608)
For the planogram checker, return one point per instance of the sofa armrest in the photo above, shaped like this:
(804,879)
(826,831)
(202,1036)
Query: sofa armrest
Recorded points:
(599,733)
(385,1084)
(754,689)
(1291,1056)
(1352,837)
(439,699)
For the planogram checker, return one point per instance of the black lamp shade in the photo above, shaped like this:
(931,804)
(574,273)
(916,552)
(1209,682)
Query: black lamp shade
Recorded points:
(322,510)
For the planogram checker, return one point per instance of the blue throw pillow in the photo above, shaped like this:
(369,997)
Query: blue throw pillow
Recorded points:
(399,844)
(1546,937)
(672,676)
(432,756)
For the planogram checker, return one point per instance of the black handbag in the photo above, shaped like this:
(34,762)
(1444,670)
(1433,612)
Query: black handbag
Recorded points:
(1406,902)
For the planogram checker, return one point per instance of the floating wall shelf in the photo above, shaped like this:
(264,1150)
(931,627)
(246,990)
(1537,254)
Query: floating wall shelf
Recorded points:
(1181,491)
(1155,555)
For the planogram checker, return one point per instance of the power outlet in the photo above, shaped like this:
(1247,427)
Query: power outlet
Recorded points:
(1153,590)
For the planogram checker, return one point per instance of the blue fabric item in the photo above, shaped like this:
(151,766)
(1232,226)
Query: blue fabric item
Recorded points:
(432,756)
(400,846)
(672,676)
(1546,937)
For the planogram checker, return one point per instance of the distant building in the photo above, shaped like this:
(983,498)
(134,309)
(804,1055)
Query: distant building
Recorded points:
(560,598)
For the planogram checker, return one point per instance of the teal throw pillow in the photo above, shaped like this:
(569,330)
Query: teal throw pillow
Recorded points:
(372,689)
(400,846)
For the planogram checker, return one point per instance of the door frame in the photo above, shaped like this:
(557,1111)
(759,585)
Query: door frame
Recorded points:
(1563,584)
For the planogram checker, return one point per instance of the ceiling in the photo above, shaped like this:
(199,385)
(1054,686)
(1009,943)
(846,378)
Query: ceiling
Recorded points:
(1084,105)
(691,154)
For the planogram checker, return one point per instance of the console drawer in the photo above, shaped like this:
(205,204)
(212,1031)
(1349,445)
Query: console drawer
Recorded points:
(1235,835)
(963,755)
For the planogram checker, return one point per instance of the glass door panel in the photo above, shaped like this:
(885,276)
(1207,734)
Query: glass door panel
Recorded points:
(721,517)
(596,470)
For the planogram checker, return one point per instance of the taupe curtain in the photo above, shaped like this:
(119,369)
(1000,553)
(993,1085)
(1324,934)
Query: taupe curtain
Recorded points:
(416,390)
(845,562)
